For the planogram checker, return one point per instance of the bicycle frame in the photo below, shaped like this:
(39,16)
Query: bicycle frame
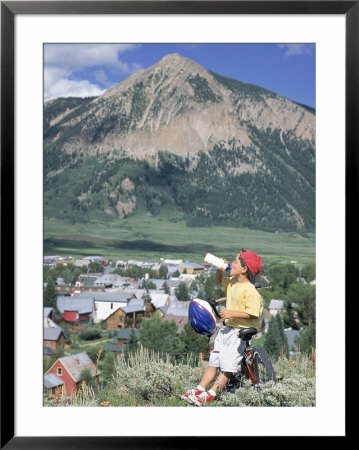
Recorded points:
(248,363)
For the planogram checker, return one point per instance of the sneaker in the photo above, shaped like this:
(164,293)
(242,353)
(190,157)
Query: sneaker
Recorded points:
(190,393)
(202,399)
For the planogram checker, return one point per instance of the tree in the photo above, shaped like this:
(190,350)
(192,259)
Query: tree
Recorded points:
(283,337)
(86,376)
(303,298)
(272,342)
(282,275)
(208,290)
(131,344)
(306,341)
(50,295)
(289,314)
(58,353)
(95,267)
(308,272)
(108,369)
(166,288)
(182,292)
(159,335)
(163,272)
(148,284)
(191,342)
(93,353)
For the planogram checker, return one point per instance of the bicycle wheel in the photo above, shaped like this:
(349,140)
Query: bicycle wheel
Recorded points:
(262,366)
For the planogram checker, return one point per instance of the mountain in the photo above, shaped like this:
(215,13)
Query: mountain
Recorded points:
(179,136)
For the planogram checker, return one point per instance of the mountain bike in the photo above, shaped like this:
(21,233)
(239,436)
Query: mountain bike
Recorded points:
(255,366)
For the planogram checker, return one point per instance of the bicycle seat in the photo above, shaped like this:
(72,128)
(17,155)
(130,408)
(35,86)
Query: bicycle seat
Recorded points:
(247,333)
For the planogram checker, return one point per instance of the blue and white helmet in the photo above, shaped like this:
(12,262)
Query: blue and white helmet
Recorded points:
(201,317)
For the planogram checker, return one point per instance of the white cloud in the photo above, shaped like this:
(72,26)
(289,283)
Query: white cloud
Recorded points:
(62,60)
(70,88)
(296,49)
(78,56)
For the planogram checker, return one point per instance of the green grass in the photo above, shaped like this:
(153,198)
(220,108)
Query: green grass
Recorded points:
(167,236)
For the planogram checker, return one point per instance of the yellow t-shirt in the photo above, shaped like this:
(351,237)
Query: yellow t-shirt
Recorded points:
(243,297)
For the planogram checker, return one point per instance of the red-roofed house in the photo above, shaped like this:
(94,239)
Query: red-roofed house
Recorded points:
(69,368)
(180,320)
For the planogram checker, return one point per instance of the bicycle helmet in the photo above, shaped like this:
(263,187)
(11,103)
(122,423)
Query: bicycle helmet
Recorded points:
(201,317)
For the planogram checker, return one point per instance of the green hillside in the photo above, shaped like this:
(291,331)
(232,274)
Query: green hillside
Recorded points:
(91,188)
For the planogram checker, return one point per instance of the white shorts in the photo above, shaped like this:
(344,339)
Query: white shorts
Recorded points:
(228,350)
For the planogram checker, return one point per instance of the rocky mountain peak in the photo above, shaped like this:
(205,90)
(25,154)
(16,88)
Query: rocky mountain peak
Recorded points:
(178,106)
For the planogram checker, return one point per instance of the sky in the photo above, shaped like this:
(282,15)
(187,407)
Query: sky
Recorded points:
(81,70)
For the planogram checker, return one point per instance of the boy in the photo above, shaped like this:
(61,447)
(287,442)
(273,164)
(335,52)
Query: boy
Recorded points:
(244,307)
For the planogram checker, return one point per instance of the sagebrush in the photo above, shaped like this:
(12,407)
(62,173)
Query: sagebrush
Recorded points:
(151,379)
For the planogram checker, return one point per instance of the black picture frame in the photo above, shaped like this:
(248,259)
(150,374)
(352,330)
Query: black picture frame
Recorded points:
(9,9)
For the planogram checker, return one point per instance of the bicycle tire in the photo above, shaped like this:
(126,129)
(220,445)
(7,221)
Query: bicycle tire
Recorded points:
(262,366)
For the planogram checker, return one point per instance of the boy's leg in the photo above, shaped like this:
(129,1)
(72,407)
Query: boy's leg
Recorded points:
(208,376)
(221,381)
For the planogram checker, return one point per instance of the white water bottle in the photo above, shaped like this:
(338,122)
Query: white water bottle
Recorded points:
(217,262)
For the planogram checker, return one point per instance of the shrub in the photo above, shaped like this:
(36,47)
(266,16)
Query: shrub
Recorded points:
(147,374)
(91,334)
(295,391)
(149,378)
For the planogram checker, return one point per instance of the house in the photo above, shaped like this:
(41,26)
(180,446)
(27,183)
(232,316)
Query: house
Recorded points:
(124,334)
(275,306)
(65,261)
(69,368)
(188,278)
(75,309)
(108,281)
(191,268)
(50,261)
(88,279)
(157,282)
(180,320)
(97,259)
(49,312)
(54,335)
(63,289)
(118,343)
(291,335)
(159,298)
(174,302)
(106,303)
(172,268)
(82,262)
(53,386)
(109,269)
(127,317)
(267,317)
(180,310)
(173,282)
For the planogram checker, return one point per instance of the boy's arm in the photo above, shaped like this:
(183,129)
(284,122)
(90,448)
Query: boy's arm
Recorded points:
(218,279)
(228,314)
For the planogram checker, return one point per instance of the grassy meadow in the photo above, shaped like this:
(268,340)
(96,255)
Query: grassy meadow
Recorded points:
(167,235)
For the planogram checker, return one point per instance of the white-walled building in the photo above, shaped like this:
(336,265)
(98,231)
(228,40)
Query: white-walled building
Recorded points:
(106,303)
(275,306)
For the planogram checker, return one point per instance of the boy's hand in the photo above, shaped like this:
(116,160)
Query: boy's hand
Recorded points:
(226,314)
(226,261)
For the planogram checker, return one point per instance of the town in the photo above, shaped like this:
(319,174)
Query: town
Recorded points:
(99,305)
